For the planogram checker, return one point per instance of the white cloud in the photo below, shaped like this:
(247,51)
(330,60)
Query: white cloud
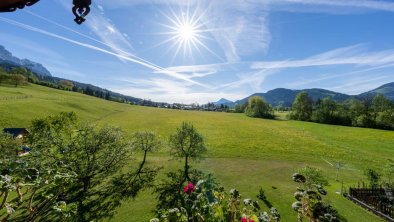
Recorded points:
(354,4)
(144,63)
(108,33)
(239,27)
(352,55)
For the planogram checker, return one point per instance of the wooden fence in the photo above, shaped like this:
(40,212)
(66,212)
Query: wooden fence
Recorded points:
(375,200)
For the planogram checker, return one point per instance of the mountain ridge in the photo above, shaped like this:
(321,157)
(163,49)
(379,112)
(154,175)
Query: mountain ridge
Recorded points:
(285,97)
(6,57)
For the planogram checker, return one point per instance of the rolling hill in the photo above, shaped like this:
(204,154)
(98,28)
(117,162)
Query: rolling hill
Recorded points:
(243,153)
(387,90)
(285,97)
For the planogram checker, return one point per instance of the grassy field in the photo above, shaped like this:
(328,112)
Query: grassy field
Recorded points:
(244,153)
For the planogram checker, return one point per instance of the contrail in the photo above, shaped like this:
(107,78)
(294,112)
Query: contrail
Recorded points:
(145,64)
(88,37)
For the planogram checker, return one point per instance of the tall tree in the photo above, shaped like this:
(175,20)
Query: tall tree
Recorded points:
(302,107)
(383,112)
(188,144)
(257,107)
(96,156)
(18,79)
(325,111)
(66,85)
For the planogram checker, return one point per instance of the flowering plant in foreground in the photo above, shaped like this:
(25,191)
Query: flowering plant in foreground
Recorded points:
(204,201)
(189,188)
(310,204)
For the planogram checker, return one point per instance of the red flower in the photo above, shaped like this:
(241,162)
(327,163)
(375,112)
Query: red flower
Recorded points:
(243,219)
(189,188)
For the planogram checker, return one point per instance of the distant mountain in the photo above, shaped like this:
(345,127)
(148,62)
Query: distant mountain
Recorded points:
(223,101)
(8,62)
(286,97)
(6,57)
(387,90)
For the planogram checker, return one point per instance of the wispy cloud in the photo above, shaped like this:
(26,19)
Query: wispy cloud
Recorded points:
(352,55)
(362,84)
(85,45)
(240,27)
(354,4)
(108,33)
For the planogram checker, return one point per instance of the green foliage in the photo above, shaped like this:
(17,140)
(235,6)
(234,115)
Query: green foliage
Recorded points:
(314,176)
(146,141)
(170,191)
(325,111)
(9,147)
(383,112)
(240,108)
(66,85)
(373,177)
(188,144)
(27,191)
(206,201)
(74,171)
(309,203)
(18,79)
(389,171)
(302,107)
(257,107)
(276,148)
(376,114)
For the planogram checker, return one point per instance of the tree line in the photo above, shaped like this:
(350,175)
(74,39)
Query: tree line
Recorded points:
(20,76)
(377,112)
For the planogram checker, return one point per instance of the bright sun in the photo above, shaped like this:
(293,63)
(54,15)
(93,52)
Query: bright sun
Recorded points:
(186,32)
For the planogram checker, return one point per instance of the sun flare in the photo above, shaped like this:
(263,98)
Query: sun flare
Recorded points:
(187,32)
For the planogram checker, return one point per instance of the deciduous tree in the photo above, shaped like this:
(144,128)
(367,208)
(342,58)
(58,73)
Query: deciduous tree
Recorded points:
(302,107)
(187,144)
(257,107)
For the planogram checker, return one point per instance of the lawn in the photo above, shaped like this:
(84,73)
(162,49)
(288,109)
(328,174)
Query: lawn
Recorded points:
(244,153)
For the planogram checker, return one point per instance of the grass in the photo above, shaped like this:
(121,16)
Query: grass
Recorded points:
(244,153)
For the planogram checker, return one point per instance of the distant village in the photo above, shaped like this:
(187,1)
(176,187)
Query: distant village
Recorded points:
(195,106)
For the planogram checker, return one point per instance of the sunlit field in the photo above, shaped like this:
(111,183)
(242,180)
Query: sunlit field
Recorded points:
(243,153)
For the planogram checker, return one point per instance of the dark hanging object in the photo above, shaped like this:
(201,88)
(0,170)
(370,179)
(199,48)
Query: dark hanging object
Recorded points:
(12,5)
(81,9)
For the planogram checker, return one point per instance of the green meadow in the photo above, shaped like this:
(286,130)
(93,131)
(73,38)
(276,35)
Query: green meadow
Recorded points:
(243,152)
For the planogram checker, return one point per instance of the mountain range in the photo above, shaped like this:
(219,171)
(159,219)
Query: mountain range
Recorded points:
(6,57)
(275,97)
(285,97)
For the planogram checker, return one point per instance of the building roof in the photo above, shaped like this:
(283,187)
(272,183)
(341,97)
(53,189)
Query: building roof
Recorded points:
(15,132)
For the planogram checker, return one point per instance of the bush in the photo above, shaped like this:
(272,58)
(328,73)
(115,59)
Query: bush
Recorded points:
(258,108)
(204,200)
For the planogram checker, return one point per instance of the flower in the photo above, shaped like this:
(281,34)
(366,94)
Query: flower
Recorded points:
(189,188)
(243,219)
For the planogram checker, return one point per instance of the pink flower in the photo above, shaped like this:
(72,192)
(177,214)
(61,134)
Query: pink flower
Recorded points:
(189,188)
(243,219)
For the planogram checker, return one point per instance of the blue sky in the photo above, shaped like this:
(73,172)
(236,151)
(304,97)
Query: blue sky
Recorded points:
(203,50)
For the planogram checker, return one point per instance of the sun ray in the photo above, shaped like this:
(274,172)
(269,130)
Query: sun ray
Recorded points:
(187,31)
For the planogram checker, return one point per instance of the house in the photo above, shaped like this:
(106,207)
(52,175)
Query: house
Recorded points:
(17,133)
